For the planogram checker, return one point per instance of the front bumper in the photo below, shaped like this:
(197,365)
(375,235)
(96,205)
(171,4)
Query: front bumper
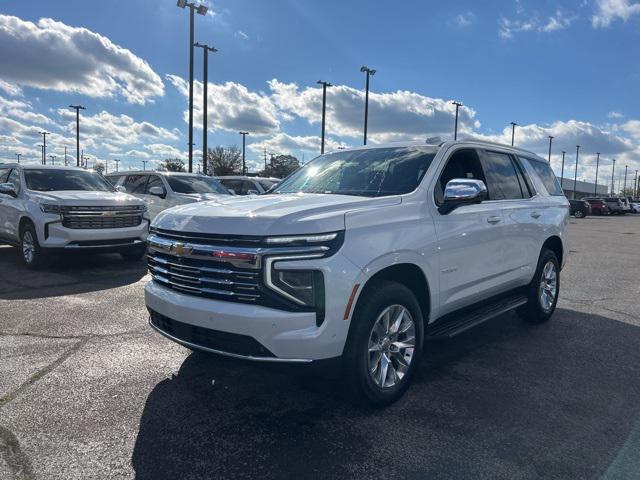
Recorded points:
(55,236)
(285,335)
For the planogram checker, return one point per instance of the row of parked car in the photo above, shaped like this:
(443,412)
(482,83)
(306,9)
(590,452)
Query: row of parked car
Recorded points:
(604,206)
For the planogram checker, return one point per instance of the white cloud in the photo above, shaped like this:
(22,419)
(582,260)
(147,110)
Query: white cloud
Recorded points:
(242,35)
(283,143)
(10,88)
(530,22)
(558,21)
(54,56)
(463,20)
(610,10)
(232,107)
(615,115)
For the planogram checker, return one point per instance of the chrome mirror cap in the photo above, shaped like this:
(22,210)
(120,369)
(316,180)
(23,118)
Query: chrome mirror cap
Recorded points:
(8,189)
(465,190)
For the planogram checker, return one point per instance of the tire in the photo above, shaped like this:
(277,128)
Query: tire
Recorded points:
(579,214)
(133,255)
(383,302)
(31,253)
(542,292)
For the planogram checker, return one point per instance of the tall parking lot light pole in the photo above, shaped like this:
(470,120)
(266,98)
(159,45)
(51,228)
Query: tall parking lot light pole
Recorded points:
(595,188)
(44,147)
(201,10)
(513,132)
(244,165)
(324,111)
(18,155)
(562,171)
(144,164)
(575,174)
(370,72)
(77,108)
(613,177)
(455,128)
(624,187)
(635,186)
(205,99)
(550,140)
(53,159)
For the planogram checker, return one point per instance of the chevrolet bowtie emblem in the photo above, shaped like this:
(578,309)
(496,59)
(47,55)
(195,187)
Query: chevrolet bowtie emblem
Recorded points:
(180,249)
(108,214)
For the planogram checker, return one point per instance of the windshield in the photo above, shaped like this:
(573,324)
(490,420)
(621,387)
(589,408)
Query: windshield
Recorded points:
(49,180)
(201,184)
(372,172)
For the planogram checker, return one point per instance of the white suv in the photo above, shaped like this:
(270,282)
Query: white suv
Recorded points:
(46,209)
(363,254)
(162,190)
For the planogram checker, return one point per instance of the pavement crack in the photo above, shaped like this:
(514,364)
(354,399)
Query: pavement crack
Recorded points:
(17,461)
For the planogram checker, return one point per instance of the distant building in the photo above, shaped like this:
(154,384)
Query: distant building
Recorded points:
(583,189)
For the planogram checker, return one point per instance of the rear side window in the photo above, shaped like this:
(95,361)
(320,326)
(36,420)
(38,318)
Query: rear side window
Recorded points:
(502,177)
(135,183)
(544,171)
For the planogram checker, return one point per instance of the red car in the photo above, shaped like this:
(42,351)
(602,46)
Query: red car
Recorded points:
(598,206)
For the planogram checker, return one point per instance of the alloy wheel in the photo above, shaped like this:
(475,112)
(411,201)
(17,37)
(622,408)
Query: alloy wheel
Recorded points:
(28,247)
(548,286)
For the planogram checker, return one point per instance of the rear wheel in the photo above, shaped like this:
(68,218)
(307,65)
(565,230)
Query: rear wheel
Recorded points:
(385,343)
(543,290)
(578,214)
(30,252)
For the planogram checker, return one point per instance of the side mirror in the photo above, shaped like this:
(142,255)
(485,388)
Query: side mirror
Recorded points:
(253,192)
(158,192)
(121,189)
(231,191)
(8,189)
(462,191)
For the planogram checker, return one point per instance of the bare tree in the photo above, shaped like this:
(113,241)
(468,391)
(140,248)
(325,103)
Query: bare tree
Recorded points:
(172,165)
(224,160)
(99,167)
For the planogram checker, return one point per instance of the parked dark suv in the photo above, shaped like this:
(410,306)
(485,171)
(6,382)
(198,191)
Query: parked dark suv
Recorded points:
(598,206)
(579,208)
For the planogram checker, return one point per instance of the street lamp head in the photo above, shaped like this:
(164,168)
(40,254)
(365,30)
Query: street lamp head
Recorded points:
(182,3)
(370,71)
(202,9)
(243,133)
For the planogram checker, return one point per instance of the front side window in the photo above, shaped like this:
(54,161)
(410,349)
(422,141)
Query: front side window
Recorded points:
(50,180)
(154,181)
(544,171)
(233,184)
(502,177)
(195,184)
(372,172)
(4,173)
(136,183)
(14,178)
(463,163)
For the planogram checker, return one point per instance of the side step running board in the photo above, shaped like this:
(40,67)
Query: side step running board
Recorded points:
(452,325)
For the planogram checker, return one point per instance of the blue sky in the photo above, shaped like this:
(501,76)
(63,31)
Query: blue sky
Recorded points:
(565,69)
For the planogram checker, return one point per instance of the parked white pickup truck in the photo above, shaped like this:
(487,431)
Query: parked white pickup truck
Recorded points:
(45,209)
(363,254)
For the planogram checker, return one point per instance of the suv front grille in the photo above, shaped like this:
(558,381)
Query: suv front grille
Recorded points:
(102,217)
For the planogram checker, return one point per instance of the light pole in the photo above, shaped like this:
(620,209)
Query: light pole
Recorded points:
(550,140)
(575,175)
(324,111)
(144,164)
(624,187)
(613,177)
(44,147)
(117,160)
(202,10)
(65,156)
(370,72)
(18,155)
(562,171)
(595,188)
(85,160)
(513,132)
(77,108)
(53,159)
(244,167)
(205,99)
(455,128)
(635,190)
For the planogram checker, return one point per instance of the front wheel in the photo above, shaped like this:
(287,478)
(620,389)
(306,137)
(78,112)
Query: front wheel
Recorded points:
(543,290)
(385,343)
(578,214)
(30,251)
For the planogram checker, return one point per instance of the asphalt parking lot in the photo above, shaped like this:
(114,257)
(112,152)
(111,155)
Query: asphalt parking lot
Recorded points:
(87,390)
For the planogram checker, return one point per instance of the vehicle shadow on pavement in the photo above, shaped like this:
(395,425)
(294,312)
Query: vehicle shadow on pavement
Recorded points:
(505,400)
(65,275)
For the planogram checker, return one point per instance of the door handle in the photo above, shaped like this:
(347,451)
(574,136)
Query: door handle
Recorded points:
(535,214)
(494,219)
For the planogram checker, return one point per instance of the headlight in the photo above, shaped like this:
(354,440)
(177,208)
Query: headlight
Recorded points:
(48,208)
(304,287)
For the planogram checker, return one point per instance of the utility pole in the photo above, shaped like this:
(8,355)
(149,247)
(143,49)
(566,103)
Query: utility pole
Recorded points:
(550,140)
(77,108)
(18,155)
(44,147)
(595,189)
(370,72)
(202,10)
(324,110)
(575,175)
(455,128)
(513,132)
(562,171)
(244,166)
(613,177)
(205,99)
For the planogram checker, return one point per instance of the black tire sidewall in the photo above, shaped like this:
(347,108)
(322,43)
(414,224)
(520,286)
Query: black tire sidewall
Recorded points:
(372,302)
(533,311)
(37,251)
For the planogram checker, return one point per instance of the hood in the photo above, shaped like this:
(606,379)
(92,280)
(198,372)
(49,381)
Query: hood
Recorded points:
(85,198)
(283,214)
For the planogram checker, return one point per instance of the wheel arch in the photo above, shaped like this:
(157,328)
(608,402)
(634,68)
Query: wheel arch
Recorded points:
(554,243)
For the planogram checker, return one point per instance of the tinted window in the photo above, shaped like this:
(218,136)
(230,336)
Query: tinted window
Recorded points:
(135,183)
(14,178)
(49,180)
(114,178)
(502,177)
(195,184)
(544,171)
(525,182)
(154,181)
(266,184)
(4,173)
(369,172)
(463,163)
(248,185)
(235,185)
